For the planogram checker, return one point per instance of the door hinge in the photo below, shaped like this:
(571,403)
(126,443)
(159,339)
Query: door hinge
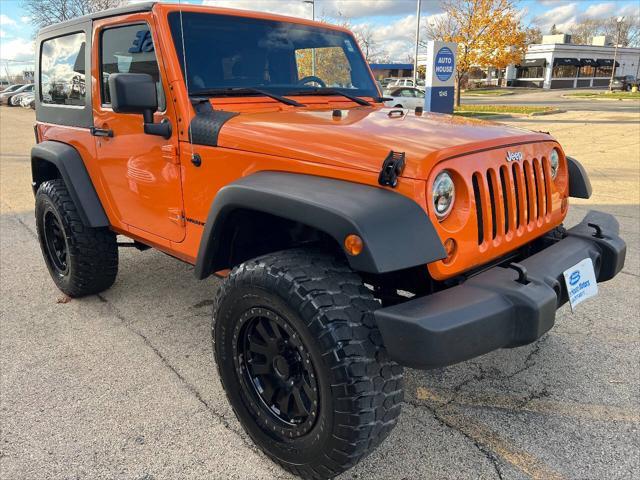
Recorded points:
(176,215)
(170,154)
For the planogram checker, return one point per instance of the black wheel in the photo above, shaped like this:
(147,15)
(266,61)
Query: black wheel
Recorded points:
(302,361)
(81,260)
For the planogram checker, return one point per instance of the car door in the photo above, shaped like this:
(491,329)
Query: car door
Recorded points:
(398,100)
(407,97)
(141,172)
(418,101)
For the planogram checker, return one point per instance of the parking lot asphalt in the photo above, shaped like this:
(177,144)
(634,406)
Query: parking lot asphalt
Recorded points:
(122,384)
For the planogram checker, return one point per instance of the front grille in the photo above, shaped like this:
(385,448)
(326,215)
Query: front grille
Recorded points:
(510,198)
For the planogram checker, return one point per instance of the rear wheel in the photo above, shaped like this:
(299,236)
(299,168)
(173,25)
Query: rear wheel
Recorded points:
(302,361)
(81,260)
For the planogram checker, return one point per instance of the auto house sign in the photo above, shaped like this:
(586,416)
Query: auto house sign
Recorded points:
(444,63)
(441,65)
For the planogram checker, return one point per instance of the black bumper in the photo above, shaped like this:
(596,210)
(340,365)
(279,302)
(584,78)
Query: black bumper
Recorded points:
(497,309)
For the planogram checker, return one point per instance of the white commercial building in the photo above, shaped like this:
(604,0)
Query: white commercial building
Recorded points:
(556,63)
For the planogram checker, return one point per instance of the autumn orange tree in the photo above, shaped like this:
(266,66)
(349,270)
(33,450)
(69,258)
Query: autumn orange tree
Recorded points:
(488,34)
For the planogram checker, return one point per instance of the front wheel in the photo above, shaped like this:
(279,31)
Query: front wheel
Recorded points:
(302,361)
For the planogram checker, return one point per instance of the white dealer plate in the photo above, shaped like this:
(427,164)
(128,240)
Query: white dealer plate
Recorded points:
(581,282)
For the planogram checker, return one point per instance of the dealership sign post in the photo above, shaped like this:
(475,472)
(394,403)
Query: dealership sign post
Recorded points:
(441,67)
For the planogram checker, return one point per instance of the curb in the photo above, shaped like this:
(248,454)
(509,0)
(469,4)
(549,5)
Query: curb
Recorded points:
(550,112)
(569,97)
(502,116)
(486,95)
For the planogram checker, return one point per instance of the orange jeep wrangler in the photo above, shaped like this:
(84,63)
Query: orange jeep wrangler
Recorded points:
(353,239)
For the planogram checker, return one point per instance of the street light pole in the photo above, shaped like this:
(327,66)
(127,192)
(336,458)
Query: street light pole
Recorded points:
(615,52)
(313,50)
(415,53)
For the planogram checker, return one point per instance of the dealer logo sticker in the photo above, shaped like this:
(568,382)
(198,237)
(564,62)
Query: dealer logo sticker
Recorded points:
(581,283)
(574,278)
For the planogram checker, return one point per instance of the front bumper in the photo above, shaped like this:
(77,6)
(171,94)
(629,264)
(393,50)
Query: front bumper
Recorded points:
(498,308)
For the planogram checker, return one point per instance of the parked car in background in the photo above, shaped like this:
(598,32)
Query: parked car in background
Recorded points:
(16,100)
(12,88)
(28,100)
(385,82)
(405,82)
(624,83)
(5,97)
(404,97)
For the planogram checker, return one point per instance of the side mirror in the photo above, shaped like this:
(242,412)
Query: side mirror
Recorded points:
(136,93)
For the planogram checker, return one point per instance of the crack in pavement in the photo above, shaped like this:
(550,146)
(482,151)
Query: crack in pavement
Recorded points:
(192,389)
(488,454)
(16,216)
(489,443)
(189,387)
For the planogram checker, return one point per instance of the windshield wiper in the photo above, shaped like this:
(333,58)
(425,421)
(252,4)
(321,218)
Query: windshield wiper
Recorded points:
(239,91)
(331,91)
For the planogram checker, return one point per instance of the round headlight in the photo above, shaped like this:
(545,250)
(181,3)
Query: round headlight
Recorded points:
(444,193)
(554,161)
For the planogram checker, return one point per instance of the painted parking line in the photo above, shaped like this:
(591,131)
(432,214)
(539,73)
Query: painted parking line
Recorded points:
(589,411)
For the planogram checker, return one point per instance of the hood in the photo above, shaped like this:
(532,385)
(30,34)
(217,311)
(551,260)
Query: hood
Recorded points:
(362,137)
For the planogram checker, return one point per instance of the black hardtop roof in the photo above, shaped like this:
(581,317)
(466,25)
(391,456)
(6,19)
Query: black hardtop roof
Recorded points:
(112,12)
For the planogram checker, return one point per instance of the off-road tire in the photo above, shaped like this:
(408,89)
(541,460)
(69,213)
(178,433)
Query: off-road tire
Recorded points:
(328,306)
(91,253)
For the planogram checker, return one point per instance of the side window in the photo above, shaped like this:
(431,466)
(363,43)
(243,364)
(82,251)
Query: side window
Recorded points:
(129,49)
(62,70)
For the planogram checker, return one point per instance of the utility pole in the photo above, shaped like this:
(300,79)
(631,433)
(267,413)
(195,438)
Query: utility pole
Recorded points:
(415,53)
(615,51)
(313,50)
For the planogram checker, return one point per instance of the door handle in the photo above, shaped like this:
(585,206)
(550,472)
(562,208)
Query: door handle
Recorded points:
(101,132)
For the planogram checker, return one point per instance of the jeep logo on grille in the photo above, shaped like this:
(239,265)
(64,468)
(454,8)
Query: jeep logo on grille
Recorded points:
(514,156)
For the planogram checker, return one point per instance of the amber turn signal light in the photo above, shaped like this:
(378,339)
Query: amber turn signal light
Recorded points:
(353,244)
(451,248)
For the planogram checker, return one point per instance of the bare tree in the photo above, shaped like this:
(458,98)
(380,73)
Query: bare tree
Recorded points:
(47,12)
(629,30)
(533,34)
(365,35)
(584,31)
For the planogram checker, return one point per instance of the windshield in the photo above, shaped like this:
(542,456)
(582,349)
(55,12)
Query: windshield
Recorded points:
(232,52)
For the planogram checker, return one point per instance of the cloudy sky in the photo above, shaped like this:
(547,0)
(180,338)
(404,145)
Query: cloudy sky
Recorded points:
(393,20)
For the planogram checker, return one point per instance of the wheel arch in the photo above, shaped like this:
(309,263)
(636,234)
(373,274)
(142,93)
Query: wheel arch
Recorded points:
(396,231)
(51,160)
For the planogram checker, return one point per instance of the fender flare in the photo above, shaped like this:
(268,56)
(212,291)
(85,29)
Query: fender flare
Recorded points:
(579,183)
(397,232)
(74,173)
